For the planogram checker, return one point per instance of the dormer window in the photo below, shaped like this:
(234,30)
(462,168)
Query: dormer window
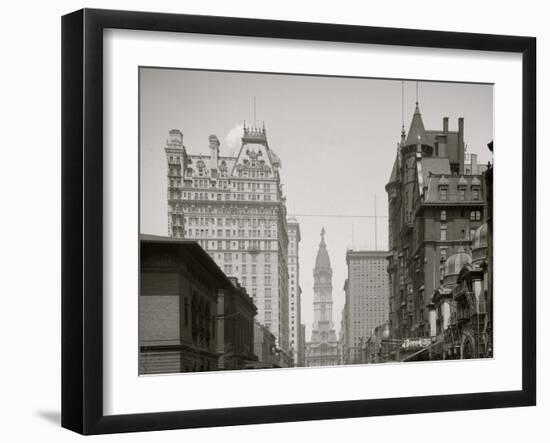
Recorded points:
(443,193)
(443,188)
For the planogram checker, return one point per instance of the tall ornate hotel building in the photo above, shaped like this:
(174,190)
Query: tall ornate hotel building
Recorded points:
(436,203)
(235,209)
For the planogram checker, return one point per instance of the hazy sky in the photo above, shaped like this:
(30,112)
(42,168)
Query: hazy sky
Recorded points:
(336,138)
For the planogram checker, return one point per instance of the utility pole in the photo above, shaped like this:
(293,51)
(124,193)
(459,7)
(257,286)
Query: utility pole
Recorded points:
(375,226)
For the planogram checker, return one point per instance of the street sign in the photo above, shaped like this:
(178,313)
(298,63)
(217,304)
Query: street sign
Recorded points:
(416,343)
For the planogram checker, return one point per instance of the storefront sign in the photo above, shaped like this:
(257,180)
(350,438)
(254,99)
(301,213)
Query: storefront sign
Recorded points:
(416,343)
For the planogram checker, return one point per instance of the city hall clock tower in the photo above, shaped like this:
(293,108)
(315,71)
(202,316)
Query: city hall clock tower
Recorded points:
(322,350)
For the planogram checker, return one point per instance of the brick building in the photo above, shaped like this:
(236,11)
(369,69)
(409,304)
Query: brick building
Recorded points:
(191,316)
(461,316)
(436,203)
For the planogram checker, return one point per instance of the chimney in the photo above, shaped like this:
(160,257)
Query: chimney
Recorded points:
(445,125)
(461,145)
(473,164)
(442,146)
(214,151)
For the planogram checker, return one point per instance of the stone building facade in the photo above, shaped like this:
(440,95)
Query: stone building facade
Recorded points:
(191,316)
(436,203)
(235,323)
(295,292)
(322,350)
(234,207)
(367,300)
(265,348)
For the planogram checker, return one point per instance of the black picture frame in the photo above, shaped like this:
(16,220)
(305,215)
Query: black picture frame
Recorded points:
(82,215)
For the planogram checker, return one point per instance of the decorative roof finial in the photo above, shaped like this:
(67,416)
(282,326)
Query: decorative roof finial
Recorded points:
(323,235)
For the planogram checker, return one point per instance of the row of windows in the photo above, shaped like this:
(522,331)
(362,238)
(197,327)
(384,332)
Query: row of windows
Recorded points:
(443,233)
(240,222)
(474,215)
(215,209)
(443,193)
(226,244)
(206,196)
(265,257)
(252,173)
(225,184)
(250,233)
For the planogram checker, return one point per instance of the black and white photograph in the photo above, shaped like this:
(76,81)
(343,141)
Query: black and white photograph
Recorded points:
(275,221)
(294,221)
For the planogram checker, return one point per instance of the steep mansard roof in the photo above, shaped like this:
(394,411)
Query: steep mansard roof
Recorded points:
(435,165)
(452,181)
